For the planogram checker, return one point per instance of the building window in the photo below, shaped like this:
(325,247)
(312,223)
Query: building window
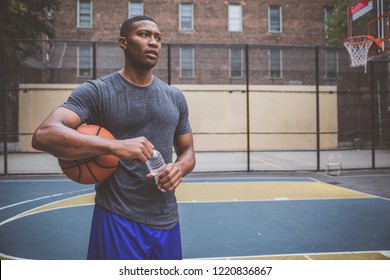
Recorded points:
(236,61)
(186,62)
(331,64)
(136,9)
(84,61)
(327,13)
(84,13)
(186,17)
(275,63)
(275,19)
(235,18)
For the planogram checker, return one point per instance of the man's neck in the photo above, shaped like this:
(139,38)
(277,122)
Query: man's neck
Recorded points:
(137,78)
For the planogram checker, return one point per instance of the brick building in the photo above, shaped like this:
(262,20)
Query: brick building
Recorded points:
(206,40)
(284,22)
(211,49)
(225,42)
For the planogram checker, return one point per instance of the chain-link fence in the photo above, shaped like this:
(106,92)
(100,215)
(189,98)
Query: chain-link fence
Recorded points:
(252,107)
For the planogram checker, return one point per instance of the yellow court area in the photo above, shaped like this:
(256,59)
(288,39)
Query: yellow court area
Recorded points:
(235,191)
(244,191)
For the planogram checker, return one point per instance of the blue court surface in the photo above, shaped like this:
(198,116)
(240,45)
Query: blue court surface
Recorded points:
(221,218)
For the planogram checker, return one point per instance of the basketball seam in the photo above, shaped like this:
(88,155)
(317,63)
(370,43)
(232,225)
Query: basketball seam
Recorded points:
(79,167)
(102,166)
(79,162)
(90,172)
(98,131)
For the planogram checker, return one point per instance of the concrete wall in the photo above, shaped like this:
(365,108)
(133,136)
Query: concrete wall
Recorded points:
(218,115)
(36,102)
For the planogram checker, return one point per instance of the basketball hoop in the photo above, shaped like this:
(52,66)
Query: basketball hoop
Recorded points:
(358,47)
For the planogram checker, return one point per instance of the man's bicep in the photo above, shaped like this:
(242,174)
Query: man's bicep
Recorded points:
(183,143)
(63,116)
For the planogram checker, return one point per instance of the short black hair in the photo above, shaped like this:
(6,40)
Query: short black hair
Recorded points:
(126,25)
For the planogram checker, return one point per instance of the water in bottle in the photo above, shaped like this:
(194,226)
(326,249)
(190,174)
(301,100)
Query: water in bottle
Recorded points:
(156,164)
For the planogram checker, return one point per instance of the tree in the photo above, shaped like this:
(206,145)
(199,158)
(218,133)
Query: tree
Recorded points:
(21,22)
(337,23)
(22,19)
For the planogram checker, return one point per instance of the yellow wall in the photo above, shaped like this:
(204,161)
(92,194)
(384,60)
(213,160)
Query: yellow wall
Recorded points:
(35,104)
(273,109)
(218,115)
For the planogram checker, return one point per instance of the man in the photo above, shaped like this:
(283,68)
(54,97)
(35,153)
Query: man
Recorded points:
(134,217)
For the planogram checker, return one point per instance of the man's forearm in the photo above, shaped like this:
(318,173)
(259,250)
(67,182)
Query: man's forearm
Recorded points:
(186,162)
(67,143)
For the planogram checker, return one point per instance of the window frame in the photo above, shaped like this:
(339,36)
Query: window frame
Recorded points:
(79,61)
(231,76)
(186,29)
(280,23)
(230,18)
(335,62)
(270,64)
(129,10)
(90,14)
(328,11)
(190,70)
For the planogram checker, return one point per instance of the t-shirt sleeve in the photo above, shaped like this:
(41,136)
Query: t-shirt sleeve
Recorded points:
(84,101)
(184,125)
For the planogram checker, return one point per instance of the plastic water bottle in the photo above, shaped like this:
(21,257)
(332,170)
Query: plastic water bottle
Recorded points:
(156,164)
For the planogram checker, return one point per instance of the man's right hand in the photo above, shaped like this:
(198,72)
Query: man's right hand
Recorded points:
(135,148)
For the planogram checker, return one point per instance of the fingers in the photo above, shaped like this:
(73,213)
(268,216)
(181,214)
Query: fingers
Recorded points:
(136,148)
(170,178)
(143,149)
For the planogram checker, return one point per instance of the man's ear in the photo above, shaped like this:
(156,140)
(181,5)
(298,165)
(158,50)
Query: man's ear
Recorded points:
(122,43)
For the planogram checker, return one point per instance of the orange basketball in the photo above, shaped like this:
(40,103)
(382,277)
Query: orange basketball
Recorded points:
(90,170)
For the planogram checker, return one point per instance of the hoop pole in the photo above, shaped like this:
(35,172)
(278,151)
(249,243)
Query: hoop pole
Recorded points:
(349,24)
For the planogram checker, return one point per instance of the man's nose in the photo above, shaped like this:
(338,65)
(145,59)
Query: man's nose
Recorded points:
(154,42)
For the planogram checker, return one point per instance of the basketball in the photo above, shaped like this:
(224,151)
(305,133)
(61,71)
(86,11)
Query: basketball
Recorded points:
(90,170)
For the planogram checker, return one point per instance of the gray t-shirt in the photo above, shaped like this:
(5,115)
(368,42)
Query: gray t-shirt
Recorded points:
(157,112)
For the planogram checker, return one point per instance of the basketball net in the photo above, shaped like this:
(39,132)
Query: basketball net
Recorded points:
(358,47)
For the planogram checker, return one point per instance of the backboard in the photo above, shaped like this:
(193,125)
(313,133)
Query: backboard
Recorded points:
(372,17)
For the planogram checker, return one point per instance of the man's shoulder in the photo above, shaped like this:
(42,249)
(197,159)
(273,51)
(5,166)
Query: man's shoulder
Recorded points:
(101,80)
(109,78)
(169,88)
(104,82)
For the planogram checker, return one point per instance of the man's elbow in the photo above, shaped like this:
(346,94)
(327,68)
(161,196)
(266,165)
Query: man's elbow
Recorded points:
(40,139)
(191,164)
(36,141)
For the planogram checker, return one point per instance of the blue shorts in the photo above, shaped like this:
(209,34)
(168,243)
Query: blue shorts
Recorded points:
(114,237)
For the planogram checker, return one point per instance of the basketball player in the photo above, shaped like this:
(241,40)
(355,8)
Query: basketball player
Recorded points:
(132,218)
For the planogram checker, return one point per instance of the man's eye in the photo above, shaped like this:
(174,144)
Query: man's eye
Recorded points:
(158,38)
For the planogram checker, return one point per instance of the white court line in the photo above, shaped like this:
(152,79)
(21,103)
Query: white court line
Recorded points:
(41,198)
(194,201)
(11,257)
(385,253)
(36,180)
(368,175)
(33,212)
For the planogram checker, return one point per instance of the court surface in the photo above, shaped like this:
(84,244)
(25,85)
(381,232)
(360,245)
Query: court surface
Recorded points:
(236,217)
